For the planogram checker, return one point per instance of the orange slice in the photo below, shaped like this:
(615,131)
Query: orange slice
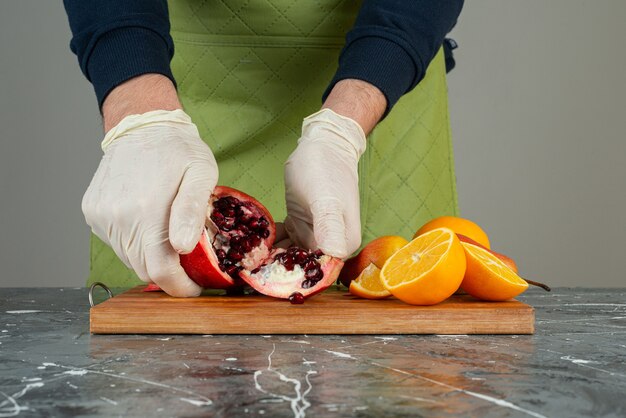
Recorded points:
(427,270)
(459,225)
(489,278)
(367,285)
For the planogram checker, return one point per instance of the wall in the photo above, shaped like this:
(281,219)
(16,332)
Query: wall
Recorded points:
(538,104)
(538,115)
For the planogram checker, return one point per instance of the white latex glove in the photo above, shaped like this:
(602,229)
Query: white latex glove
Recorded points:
(148,199)
(322,185)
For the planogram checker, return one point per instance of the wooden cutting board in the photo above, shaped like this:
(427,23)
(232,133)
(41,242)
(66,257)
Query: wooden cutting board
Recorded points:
(332,312)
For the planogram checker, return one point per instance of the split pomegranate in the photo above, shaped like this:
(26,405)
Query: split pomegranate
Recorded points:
(238,244)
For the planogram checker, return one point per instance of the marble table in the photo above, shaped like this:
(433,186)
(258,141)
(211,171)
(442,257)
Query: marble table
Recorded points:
(575,365)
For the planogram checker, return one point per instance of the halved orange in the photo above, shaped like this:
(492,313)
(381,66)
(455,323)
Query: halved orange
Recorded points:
(459,225)
(368,285)
(489,278)
(427,270)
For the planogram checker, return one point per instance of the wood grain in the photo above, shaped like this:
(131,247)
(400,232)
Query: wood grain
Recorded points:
(332,312)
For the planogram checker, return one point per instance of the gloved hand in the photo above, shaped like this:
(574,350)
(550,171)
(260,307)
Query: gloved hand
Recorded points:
(322,185)
(148,199)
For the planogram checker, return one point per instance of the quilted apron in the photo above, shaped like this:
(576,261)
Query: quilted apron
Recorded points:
(249,71)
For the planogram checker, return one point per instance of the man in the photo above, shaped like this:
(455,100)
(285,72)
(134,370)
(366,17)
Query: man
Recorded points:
(246,72)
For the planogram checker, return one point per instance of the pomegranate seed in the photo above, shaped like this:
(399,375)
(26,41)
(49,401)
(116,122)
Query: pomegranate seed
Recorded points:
(246,245)
(301,256)
(280,257)
(289,264)
(255,240)
(236,241)
(244,217)
(217,216)
(296,298)
(231,271)
(227,224)
(310,265)
(313,273)
(235,256)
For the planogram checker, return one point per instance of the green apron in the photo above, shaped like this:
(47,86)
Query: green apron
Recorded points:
(249,71)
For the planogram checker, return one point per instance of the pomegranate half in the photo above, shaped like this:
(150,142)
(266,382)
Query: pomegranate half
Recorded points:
(294,273)
(239,235)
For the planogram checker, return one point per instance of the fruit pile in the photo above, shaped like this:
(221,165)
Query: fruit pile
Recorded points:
(236,252)
(445,255)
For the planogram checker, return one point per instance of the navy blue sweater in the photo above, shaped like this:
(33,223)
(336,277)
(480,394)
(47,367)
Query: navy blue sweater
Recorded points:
(390,46)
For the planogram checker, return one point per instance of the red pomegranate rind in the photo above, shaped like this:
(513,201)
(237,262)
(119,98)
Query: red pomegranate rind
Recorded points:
(349,271)
(279,288)
(152,288)
(201,266)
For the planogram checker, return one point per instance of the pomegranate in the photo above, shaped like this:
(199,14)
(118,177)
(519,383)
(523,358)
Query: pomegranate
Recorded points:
(236,249)
(239,235)
(294,274)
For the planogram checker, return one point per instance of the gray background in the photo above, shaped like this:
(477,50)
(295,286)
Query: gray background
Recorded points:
(538,115)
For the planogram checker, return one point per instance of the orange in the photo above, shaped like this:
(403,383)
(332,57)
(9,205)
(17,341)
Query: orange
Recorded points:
(368,284)
(458,225)
(375,252)
(489,278)
(427,270)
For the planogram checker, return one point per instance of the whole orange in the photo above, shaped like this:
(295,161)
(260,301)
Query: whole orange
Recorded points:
(460,226)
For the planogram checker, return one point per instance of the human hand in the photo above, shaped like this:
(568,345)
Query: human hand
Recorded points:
(322,185)
(149,196)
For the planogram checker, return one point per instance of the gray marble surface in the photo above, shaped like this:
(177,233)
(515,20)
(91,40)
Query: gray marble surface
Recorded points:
(575,365)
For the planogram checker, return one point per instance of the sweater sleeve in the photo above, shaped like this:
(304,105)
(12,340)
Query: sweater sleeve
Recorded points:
(116,40)
(393,42)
